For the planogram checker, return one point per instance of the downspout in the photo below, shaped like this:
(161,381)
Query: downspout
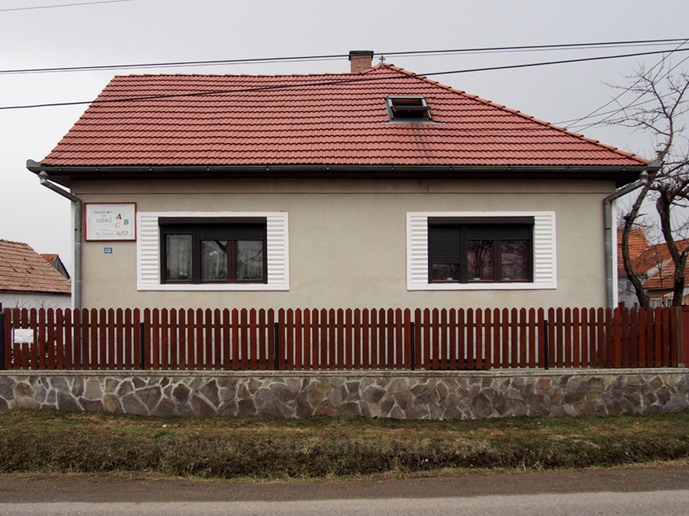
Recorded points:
(608,231)
(78,232)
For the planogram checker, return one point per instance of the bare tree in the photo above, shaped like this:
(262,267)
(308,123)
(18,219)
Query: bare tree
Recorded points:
(659,110)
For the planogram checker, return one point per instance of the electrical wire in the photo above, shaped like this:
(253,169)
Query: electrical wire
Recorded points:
(528,48)
(326,57)
(575,122)
(55,6)
(345,81)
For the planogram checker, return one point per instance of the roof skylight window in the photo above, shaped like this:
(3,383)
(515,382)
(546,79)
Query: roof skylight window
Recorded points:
(408,108)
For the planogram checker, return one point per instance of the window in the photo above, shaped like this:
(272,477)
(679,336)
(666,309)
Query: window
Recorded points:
(481,250)
(656,302)
(213,250)
(408,108)
(466,251)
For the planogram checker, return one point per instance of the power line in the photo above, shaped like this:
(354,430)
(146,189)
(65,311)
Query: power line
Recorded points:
(412,53)
(610,113)
(346,81)
(527,48)
(173,64)
(634,103)
(55,6)
(586,117)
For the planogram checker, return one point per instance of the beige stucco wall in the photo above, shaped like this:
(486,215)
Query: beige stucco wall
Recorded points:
(347,240)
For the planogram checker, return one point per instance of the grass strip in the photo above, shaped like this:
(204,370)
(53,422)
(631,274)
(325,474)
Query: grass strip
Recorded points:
(50,442)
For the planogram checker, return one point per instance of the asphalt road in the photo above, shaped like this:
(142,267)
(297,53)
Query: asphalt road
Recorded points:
(638,491)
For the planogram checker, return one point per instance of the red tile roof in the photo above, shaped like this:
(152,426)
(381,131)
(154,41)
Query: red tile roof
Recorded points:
(664,277)
(332,119)
(638,246)
(653,261)
(23,270)
(49,257)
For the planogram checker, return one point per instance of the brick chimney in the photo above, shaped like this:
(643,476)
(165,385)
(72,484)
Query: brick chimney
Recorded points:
(361,60)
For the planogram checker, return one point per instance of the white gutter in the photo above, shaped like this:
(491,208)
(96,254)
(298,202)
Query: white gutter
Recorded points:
(608,226)
(78,233)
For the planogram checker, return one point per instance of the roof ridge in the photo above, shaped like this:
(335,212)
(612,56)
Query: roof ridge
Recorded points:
(224,75)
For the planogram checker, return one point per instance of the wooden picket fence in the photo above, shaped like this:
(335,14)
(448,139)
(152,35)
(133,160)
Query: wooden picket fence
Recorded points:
(369,339)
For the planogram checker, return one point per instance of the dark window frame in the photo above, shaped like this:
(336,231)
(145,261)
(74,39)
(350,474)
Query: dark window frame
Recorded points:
(203,229)
(448,245)
(408,108)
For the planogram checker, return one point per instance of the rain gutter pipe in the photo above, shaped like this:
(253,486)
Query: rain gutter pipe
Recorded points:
(608,204)
(78,232)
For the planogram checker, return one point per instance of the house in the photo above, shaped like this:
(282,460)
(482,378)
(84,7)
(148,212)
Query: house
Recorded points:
(653,265)
(638,245)
(27,280)
(373,188)
(56,263)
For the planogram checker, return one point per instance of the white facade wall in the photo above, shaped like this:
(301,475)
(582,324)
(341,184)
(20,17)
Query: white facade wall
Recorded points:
(348,240)
(34,300)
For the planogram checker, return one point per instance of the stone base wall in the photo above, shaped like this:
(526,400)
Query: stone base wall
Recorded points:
(408,395)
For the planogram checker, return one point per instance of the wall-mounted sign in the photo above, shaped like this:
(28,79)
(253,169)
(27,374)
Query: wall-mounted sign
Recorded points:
(114,221)
(20,336)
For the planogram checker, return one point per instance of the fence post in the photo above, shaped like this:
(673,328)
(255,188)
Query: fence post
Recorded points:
(276,345)
(412,343)
(546,351)
(2,339)
(683,345)
(142,347)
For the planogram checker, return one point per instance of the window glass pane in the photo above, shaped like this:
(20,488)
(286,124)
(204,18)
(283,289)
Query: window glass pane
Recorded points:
(479,260)
(214,260)
(514,255)
(445,272)
(249,260)
(178,257)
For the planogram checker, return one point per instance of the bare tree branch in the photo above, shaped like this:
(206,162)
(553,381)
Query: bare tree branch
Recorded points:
(660,109)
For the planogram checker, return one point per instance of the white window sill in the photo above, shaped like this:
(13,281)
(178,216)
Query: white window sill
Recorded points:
(482,286)
(216,287)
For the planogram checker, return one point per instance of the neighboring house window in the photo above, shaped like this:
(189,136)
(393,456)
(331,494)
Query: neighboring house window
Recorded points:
(465,251)
(212,251)
(408,108)
(481,251)
(656,302)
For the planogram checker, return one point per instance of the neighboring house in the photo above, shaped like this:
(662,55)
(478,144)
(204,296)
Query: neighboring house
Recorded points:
(375,188)
(638,244)
(653,265)
(660,285)
(27,280)
(56,263)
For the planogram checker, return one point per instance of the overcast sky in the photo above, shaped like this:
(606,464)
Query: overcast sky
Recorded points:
(57,33)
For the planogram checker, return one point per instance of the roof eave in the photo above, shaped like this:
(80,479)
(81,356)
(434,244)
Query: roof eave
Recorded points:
(622,174)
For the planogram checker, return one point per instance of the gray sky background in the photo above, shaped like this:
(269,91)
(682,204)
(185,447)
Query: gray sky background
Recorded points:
(146,31)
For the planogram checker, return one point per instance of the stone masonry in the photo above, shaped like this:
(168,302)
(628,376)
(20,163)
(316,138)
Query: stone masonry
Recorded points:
(409,395)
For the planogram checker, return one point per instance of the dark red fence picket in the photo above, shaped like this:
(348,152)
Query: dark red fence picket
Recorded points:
(329,339)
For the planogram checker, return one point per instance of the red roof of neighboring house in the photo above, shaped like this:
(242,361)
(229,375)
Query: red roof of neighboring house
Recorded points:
(651,260)
(331,119)
(24,270)
(664,278)
(637,246)
(49,257)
